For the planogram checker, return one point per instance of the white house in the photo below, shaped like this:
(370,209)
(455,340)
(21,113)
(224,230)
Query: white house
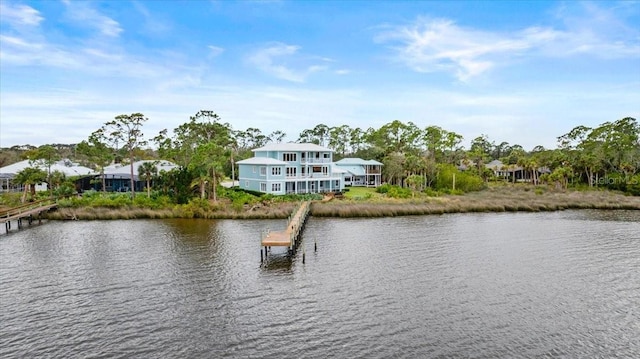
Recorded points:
(282,168)
(361,172)
(67,167)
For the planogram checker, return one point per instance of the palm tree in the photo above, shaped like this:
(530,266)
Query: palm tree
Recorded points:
(29,177)
(148,170)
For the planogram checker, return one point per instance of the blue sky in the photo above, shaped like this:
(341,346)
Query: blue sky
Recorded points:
(523,71)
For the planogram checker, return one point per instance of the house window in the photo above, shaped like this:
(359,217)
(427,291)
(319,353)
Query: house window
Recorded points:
(326,156)
(276,171)
(289,157)
(254,169)
(263,171)
(325,170)
(291,171)
(246,184)
(275,187)
(317,169)
(303,171)
(263,187)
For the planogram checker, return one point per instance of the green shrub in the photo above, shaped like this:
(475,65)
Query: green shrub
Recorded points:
(399,192)
(464,181)
(633,185)
(431,192)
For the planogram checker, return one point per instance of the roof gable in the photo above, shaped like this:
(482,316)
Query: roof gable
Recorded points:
(292,146)
(262,161)
(354,161)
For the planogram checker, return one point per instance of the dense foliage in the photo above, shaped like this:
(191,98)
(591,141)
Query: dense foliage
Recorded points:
(415,160)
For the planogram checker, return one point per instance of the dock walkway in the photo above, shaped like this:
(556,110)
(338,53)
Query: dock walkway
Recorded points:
(30,211)
(291,234)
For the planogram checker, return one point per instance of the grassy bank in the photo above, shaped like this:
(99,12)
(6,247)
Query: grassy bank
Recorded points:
(365,202)
(496,199)
(280,211)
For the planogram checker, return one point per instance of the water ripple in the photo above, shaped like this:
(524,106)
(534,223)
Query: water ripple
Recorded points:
(511,285)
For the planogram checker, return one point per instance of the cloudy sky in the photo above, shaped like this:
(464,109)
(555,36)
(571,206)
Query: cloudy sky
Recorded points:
(523,72)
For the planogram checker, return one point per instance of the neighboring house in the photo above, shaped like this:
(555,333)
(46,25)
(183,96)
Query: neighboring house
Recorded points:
(118,176)
(504,171)
(361,172)
(282,168)
(81,174)
(513,172)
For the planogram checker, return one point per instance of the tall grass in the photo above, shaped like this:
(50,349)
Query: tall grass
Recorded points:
(504,199)
(494,199)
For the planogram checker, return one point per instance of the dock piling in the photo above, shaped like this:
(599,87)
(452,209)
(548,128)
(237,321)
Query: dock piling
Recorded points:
(290,236)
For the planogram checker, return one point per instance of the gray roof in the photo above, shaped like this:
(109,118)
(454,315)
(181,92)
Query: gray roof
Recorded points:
(123,170)
(65,166)
(262,161)
(355,170)
(495,164)
(357,162)
(292,146)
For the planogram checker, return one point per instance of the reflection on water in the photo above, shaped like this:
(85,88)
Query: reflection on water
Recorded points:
(561,284)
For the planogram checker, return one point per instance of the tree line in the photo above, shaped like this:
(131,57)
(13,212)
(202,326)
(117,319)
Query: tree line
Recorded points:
(206,149)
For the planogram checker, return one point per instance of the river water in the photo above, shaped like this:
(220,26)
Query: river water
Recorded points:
(507,285)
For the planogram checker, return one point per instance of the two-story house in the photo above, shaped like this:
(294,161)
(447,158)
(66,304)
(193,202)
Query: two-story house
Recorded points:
(361,172)
(281,168)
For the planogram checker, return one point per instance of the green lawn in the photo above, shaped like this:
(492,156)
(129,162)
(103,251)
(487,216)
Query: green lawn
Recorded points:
(360,192)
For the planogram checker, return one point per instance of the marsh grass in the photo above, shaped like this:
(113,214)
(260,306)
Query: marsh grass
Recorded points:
(493,199)
(221,211)
(501,199)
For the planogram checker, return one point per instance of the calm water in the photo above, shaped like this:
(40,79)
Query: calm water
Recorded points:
(563,284)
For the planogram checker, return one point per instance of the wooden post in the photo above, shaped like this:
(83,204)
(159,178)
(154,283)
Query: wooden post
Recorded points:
(261,257)
(454,181)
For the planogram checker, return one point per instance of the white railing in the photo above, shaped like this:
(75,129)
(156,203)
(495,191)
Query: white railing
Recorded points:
(310,175)
(315,160)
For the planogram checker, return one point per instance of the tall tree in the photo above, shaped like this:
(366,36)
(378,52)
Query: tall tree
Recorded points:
(277,136)
(127,130)
(97,152)
(147,171)
(28,178)
(45,155)
(201,146)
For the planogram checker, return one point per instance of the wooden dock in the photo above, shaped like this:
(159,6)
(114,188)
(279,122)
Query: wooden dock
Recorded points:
(290,236)
(30,211)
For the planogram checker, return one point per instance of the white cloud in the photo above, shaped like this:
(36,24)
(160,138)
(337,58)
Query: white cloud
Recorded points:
(214,51)
(84,15)
(152,24)
(276,58)
(17,15)
(441,45)
(264,59)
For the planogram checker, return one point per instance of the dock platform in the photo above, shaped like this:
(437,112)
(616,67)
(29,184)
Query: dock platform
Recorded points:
(290,236)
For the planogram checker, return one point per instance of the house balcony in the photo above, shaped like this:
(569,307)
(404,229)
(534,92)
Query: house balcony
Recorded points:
(309,176)
(315,160)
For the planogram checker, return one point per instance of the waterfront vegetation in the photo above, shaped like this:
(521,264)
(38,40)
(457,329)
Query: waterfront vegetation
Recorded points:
(355,202)
(424,171)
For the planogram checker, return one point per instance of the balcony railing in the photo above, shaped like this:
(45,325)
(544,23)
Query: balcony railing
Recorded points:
(315,160)
(310,175)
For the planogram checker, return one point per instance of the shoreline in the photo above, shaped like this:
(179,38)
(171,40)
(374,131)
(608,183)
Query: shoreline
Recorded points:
(489,200)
